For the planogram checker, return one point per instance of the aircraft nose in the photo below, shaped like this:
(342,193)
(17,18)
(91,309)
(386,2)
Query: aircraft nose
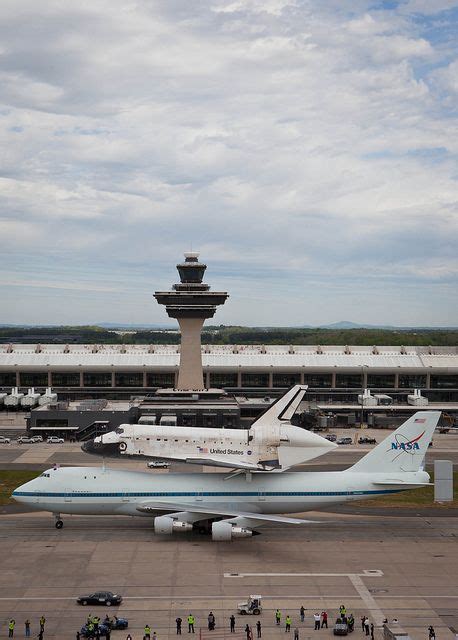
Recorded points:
(18,493)
(107,449)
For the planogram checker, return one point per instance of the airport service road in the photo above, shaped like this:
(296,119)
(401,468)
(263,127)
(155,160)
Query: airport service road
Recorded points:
(396,567)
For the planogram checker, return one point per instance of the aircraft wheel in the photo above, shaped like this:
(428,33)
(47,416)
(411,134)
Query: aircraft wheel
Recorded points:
(59,524)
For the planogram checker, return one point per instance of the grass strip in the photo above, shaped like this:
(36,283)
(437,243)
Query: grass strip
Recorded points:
(10,480)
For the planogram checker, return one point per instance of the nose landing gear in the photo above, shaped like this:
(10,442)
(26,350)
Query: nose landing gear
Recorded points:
(58,522)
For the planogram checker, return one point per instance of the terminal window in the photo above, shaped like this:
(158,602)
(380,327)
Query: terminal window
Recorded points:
(444,382)
(412,381)
(102,379)
(286,379)
(380,381)
(255,379)
(318,381)
(33,379)
(164,380)
(52,424)
(7,379)
(349,380)
(129,379)
(66,379)
(218,380)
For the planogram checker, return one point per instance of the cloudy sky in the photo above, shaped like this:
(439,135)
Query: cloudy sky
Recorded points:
(307,149)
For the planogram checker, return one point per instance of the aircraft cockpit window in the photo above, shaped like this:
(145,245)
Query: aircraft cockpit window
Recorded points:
(119,430)
(45,475)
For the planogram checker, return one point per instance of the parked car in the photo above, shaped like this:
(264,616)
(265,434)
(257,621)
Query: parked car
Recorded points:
(24,440)
(36,439)
(100,597)
(158,464)
(4,440)
(340,628)
(367,440)
(345,440)
(331,437)
(55,440)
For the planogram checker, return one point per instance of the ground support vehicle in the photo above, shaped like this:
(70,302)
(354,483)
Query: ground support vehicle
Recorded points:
(252,606)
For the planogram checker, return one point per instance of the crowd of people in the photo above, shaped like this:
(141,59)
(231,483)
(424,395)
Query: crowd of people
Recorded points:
(319,619)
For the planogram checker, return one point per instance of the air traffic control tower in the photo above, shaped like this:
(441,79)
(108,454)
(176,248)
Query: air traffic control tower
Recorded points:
(191,302)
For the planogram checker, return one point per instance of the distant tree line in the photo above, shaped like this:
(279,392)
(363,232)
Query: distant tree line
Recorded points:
(233,335)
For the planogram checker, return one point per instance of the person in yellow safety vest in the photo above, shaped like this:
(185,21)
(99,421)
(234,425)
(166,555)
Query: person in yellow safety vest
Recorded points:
(42,623)
(11,625)
(147,632)
(288,624)
(191,621)
(278,616)
(90,628)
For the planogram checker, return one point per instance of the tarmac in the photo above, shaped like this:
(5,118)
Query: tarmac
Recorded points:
(394,565)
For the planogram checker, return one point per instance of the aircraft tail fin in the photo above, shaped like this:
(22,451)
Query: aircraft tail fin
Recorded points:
(404,449)
(282,409)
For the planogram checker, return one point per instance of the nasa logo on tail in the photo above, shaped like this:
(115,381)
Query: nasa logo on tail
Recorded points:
(403,445)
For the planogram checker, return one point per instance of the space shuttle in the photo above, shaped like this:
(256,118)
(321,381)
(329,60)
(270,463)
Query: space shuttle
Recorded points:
(271,444)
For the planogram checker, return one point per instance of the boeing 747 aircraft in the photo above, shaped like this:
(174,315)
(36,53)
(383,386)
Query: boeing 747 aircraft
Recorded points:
(271,444)
(234,506)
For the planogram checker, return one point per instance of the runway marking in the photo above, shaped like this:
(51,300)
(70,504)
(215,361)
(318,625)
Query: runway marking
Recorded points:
(367,598)
(179,598)
(355,579)
(367,573)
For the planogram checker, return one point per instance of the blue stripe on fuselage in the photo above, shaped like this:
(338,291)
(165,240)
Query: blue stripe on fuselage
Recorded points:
(211,494)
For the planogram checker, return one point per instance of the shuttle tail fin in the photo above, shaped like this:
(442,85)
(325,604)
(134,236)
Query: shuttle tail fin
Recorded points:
(404,449)
(282,409)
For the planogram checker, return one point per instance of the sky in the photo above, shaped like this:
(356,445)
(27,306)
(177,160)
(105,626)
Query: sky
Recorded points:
(306,148)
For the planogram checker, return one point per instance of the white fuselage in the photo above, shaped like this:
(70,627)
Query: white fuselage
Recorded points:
(95,491)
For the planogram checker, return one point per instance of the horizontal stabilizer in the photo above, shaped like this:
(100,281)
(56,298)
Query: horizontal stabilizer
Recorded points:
(209,511)
(404,484)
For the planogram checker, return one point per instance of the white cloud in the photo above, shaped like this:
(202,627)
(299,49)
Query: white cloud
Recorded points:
(278,137)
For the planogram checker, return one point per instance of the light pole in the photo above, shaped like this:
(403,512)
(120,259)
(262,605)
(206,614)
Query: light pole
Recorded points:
(361,421)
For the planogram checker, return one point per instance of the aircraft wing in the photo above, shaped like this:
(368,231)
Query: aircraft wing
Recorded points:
(213,511)
(230,464)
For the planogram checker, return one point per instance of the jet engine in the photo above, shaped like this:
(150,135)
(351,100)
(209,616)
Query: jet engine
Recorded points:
(225,531)
(167,525)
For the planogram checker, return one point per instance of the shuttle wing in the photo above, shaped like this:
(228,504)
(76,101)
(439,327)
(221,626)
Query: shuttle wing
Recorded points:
(229,464)
(154,507)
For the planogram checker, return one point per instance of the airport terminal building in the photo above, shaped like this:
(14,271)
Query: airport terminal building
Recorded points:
(118,371)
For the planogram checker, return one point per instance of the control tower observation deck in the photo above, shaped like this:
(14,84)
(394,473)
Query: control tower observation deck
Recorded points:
(191,302)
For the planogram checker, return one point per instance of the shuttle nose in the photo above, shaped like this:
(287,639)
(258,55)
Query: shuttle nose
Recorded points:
(98,448)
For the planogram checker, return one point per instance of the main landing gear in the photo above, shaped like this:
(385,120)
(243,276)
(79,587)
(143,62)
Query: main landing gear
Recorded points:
(59,523)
